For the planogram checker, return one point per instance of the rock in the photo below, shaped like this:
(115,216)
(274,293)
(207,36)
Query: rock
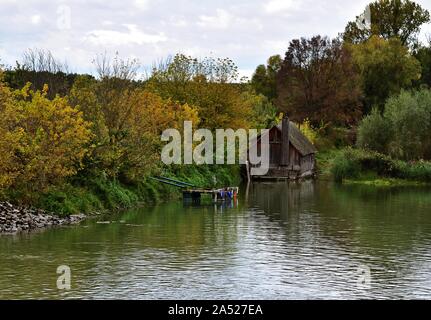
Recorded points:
(15,219)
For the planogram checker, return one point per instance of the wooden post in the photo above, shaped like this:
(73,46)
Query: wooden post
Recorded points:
(285,152)
(247,191)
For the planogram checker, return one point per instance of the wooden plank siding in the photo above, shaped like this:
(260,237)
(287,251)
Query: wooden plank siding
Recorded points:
(291,153)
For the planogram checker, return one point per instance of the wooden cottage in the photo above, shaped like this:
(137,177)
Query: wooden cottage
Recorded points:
(291,153)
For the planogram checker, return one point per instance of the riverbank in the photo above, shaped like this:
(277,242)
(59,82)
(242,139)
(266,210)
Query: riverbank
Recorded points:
(98,194)
(68,203)
(356,166)
(15,219)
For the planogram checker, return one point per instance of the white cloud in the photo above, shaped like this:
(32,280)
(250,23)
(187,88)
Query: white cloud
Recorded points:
(426,33)
(276,6)
(132,36)
(179,22)
(247,31)
(277,46)
(142,4)
(245,73)
(221,20)
(226,20)
(35,19)
(107,23)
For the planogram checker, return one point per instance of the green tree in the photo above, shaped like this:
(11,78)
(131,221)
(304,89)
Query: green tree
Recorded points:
(389,19)
(386,67)
(423,55)
(410,117)
(264,113)
(264,79)
(403,130)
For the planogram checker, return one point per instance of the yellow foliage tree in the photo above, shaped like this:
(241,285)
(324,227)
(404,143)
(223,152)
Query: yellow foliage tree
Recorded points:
(6,140)
(127,122)
(143,125)
(43,141)
(207,84)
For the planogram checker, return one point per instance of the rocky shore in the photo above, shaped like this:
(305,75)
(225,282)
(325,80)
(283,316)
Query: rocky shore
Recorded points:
(14,219)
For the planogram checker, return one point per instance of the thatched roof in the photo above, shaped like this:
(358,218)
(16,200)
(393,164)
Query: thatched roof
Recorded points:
(299,140)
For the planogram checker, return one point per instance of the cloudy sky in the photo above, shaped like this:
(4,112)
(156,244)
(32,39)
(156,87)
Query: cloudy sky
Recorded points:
(247,31)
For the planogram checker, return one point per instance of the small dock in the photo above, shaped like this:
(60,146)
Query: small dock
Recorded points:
(222,194)
(194,193)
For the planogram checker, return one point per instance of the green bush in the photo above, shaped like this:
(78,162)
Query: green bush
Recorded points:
(374,132)
(410,117)
(97,194)
(344,167)
(356,163)
(420,171)
(112,193)
(69,200)
(403,130)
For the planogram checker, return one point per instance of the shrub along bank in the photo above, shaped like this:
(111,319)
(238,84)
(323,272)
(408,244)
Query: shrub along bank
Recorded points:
(367,166)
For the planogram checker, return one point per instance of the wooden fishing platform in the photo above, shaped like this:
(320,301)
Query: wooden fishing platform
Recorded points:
(221,194)
(194,193)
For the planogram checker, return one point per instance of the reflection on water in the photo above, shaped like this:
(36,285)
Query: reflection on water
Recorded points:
(280,241)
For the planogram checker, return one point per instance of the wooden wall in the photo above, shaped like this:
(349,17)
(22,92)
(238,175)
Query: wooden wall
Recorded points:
(297,161)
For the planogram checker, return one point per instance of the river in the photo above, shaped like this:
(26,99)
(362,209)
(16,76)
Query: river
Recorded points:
(314,240)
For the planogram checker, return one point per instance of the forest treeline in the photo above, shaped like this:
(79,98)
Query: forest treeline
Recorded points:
(77,142)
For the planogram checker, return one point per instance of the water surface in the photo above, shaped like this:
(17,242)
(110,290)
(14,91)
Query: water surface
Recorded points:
(280,241)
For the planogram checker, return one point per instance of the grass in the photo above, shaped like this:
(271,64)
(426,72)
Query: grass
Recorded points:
(325,162)
(386,182)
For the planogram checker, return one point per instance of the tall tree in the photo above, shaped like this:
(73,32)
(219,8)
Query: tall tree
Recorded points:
(127,120)
(386,67)
(40,68)
(43,141)
(208,84)
(388,19)
(318,81)
(264,78)
(423,55)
